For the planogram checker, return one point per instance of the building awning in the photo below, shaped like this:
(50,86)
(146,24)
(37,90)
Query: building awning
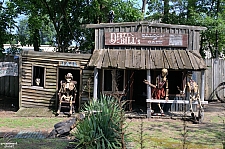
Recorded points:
(147,59)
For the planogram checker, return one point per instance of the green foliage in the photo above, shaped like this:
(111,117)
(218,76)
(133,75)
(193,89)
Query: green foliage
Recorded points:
(12,50)
(7,14)
(103,127)
(67,17)
(25,32)
(209,14)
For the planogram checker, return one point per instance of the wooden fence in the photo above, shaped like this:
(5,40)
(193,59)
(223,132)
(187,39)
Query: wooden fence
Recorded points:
(9,85)
(214,76)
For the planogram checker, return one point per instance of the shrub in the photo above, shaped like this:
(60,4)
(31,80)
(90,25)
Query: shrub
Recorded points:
(103,127)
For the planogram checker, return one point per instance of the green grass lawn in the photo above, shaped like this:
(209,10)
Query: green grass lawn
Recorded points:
(169,135)
(44,124)
(160,134)
(30,122)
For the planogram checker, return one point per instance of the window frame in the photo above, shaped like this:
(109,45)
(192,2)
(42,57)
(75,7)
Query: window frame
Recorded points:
(44,76)
(113,82)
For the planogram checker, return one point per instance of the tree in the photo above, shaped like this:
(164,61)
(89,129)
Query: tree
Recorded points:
(207,13)
(7,14)
(68,16)
(24,32)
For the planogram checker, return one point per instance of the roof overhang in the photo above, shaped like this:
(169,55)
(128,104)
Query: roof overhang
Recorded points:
(147,59)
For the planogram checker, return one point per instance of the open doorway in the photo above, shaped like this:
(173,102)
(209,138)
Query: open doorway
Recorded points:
(62,72)
(139,89)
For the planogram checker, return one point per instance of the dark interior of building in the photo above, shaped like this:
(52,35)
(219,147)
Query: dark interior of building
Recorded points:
(76,77)
(139,90)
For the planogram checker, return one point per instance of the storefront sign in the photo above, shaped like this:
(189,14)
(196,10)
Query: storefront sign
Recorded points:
(8,69)
(146,39)
(69,63)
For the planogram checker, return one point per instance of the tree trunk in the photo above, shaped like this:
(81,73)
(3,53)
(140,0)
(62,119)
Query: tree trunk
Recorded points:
(166,11)
(143,6)
(36,40)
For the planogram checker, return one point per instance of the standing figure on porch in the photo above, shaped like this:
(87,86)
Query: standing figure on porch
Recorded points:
(160,90)
(193,90)
(67,92)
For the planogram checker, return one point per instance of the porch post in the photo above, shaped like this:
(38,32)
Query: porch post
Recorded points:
(148,94)
(95,92)
(202,85)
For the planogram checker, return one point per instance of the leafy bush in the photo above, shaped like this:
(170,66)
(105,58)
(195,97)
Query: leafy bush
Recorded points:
(103,127)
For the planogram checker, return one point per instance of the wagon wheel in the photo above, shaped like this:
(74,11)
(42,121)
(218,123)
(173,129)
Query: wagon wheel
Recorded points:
(220,92)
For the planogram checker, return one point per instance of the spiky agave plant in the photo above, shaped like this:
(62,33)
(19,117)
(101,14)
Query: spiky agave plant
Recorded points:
(101,128)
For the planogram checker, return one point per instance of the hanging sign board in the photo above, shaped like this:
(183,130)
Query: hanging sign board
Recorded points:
(69,63)
(8,69)
(146,39)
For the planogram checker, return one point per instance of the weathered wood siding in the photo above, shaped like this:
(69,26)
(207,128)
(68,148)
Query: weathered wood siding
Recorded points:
(215,74)
(146,27)
(33,96)
(9,85)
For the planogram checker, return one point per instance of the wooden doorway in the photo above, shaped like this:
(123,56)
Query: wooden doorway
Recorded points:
(76,77)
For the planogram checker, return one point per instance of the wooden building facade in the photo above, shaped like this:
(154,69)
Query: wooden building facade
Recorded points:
(132,52)
(51,68)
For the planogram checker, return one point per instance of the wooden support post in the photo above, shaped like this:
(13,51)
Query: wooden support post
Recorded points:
(148,94)
(187,93)
(20,81)
(95,92)
(202,85)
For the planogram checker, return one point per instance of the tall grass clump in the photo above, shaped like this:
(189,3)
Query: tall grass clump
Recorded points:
(103,126)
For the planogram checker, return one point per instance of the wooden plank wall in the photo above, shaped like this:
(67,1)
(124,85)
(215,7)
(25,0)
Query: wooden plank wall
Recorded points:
(215,74)
(9,85)
(33,96)
(193,36)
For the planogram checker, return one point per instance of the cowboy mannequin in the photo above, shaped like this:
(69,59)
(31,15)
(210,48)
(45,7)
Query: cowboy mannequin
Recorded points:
(160,90)
(67,92)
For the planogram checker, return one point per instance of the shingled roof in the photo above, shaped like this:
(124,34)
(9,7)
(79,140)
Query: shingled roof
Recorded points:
(147,59)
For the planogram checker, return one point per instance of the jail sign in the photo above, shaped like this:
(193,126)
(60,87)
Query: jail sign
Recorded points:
(8,69)
(69,63)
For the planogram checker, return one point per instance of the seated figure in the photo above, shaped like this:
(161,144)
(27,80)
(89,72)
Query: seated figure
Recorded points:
(67,93)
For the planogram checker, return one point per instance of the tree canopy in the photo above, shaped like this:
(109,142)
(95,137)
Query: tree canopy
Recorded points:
(59,22)
(207,13)
(66,17)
